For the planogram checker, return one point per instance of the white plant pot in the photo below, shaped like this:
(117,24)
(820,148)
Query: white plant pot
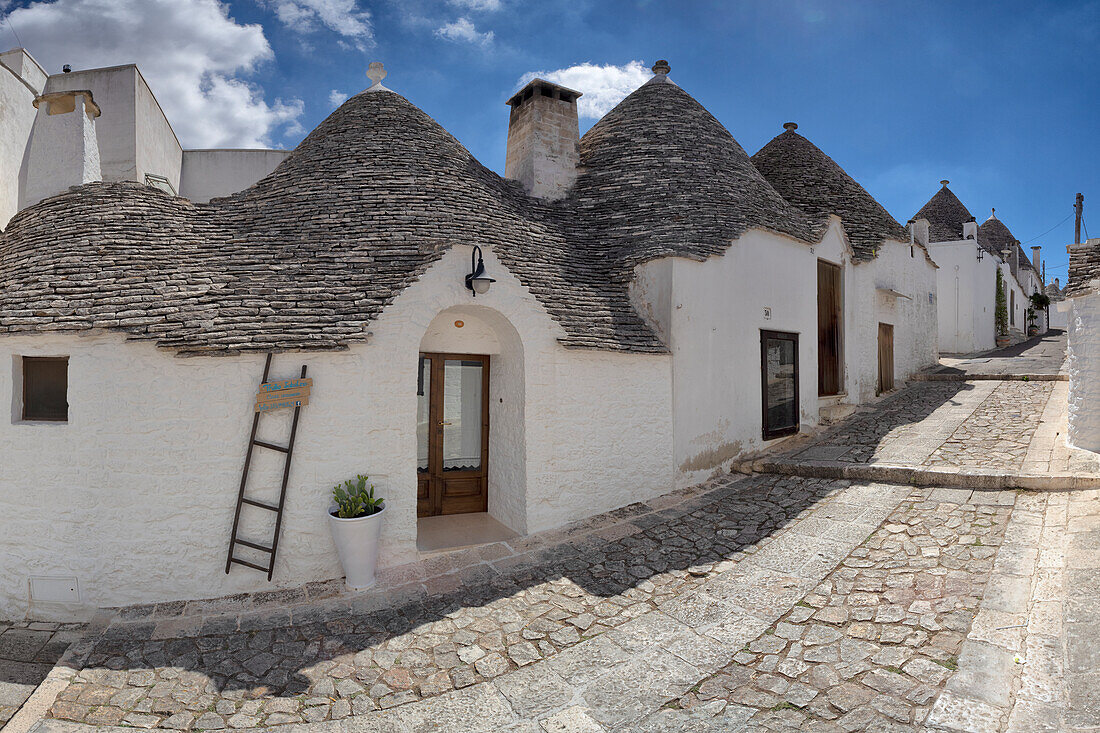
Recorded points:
(357,544)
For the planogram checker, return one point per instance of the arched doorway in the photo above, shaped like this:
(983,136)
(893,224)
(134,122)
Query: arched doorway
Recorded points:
(471,450)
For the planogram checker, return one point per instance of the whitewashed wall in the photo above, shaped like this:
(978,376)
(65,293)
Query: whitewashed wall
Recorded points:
(967,295)
(134,496)
(1083,364)
(210,173)
(712,313)
(906,270)
(21,80)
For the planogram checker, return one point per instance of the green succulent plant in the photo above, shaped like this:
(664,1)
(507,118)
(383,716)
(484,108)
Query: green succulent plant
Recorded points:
(356,499)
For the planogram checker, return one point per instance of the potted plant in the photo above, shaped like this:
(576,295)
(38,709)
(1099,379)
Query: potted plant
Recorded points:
(1001,312)
(356,522)
(1032,328)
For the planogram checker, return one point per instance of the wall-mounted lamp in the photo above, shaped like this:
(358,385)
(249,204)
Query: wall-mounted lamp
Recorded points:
(476,281)
(1004,254)
(981,253)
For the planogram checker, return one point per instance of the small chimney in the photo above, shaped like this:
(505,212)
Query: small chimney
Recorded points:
(543,139)
(1035,259)
(970,230)
(63,151)
(919,229)
(1056,284)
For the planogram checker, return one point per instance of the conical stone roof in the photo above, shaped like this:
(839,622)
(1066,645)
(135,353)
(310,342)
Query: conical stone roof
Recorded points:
(661,176)
(995,237)
(812,181)
(946,216)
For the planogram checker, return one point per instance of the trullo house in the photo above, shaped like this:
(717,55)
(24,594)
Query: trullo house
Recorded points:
(660,304)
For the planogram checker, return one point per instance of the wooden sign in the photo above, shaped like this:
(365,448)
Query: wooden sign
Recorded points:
(282,384)
(280,404)
(283,393)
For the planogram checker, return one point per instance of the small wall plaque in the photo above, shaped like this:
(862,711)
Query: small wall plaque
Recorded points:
(767,314)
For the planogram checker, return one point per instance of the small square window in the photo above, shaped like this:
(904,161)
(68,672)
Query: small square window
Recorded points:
(45,388)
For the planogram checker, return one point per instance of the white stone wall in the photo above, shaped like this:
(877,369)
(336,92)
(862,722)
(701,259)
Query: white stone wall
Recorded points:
(712,313)
(906,270)
(207,174)
(967,294)
(20,82)
(1083,364)
(134,496)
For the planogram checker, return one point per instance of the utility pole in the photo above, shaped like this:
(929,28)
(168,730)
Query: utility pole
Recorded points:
(1078,207)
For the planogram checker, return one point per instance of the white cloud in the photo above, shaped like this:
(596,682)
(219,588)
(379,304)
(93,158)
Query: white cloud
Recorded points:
(465,31)
(190,51)
(343,17)
(602,86)
(476,5)
(336,98)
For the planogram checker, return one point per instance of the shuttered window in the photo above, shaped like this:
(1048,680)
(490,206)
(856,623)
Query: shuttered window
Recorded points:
(45,388)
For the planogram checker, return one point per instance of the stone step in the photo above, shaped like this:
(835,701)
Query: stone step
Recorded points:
(951,477)
(952,377)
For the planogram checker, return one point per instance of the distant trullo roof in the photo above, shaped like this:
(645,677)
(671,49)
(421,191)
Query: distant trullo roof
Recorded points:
(994,236)
(812,181)
(946,216)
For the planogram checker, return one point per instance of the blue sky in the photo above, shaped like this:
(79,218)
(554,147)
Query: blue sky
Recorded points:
(1002,98)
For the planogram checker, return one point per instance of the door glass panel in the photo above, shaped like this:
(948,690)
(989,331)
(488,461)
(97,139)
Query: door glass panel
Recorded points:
(780,394)
(462,402)
(423,413)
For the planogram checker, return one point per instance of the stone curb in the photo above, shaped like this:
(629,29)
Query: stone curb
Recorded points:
(988,377)
(921,476)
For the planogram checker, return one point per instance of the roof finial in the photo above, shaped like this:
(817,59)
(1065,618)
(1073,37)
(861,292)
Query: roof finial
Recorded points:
(376,72)
(992,212)
(662,67)
(790,126)
(944,182)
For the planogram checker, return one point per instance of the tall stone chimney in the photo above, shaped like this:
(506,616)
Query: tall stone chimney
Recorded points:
(1035,259)
(543,139)
(63,148)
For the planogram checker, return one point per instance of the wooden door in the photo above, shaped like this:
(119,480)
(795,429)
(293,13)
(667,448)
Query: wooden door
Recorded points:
(452,434)
(885,357)
(779,383)
(828,328)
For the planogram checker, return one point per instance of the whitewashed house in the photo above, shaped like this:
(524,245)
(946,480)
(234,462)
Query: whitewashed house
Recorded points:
(968,256)
(661,304)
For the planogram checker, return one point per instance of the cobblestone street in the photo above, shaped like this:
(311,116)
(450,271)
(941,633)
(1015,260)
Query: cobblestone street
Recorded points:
(755,603)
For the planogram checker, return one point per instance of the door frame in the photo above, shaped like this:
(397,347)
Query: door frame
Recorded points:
(436,477)
(780,432)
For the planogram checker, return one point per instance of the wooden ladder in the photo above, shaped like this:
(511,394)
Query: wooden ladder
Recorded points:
(288,452)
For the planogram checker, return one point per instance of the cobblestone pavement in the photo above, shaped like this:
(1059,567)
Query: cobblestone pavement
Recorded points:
(27,652)
(985,426)
(1040,355)
(871,647)
(760,604)
(335,660)
(998,433)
